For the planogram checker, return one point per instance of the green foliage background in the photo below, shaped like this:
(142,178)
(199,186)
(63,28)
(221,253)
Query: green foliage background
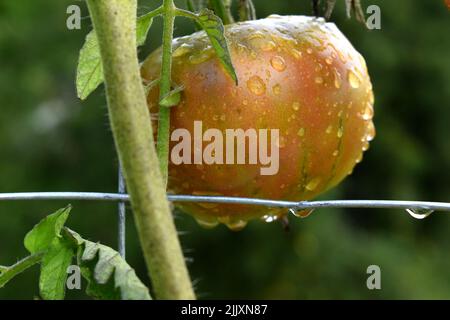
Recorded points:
(50,141)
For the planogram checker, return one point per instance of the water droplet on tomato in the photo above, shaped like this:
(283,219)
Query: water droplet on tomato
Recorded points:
(371,97)
(313,183)
(340,132)
(256,35)
(208,224)
(365,145)
(318,80)
(276,89)
(200,57)
(241,48)
(353,80)
(236,225)
(297,54)
(182,50)
(256,85)
(337,79)
(267,45)
(278,63)
(368,112)
(342,57)
(296,105)
(370,131)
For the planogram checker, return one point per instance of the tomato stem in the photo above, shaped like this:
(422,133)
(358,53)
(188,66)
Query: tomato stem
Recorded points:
(162,143)
(115,25)
(185,13)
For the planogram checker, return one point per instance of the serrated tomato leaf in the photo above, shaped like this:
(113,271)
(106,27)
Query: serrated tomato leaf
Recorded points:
(143,24)
(49,228)
(214,28)
(109,276)
(52,280)
(54,246)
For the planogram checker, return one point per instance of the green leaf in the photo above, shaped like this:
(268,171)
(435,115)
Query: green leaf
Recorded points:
(100,280)
(53,277)
(172,98)
(219,9)
(7,273)
(42,242)
(90,70)
(46,237)
(49,228)
(143,24)
(110,265)
(214,28)
(109,276)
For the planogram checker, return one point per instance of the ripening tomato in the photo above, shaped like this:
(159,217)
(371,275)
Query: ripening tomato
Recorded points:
(296,74)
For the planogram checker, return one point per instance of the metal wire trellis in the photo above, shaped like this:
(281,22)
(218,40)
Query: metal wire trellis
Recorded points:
(417,209)
(300,205)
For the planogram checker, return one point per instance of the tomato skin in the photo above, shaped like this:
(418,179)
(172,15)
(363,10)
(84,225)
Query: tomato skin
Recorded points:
(296,74)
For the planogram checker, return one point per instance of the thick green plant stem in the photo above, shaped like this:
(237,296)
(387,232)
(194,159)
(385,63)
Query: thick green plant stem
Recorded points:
(162,144)
(115,25)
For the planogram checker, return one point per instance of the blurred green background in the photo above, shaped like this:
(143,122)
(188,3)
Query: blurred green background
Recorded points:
(51,141)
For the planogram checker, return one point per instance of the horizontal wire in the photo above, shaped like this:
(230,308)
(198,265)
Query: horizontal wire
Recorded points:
(300,205)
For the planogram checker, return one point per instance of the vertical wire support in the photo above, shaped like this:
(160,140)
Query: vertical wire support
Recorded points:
(121,215)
